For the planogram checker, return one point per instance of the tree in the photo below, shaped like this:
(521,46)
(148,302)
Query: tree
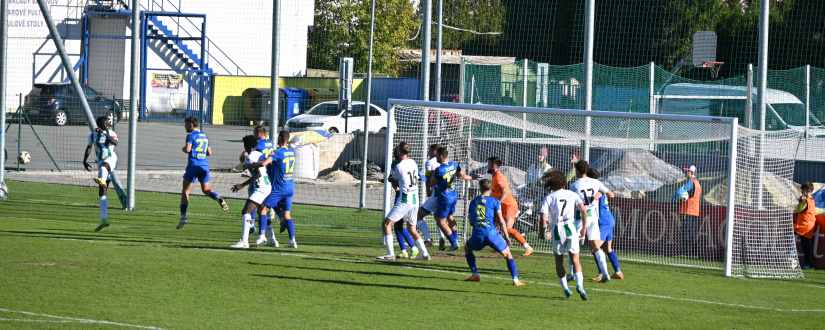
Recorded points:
(342,29)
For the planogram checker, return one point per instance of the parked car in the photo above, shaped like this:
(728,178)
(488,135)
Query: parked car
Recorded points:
(58,103)
(327,117)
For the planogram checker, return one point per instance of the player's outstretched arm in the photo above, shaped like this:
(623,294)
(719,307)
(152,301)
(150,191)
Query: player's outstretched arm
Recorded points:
(543,225)
(85,157)
(463,176)
(583,211)
(257,164)
(240,186)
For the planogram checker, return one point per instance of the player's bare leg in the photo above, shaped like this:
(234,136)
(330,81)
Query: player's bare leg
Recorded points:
(104,205)
(419,242)
(577,266)
(103,173)
(184,202)
(595,248)
(614,260)
(511,221)
(386,228)
(211,193)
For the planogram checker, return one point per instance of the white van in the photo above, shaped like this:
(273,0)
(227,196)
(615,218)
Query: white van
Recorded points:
(783,110)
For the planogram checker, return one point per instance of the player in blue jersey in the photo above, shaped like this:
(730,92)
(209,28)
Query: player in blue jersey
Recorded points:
(264,146)
(104,141)
(282,164)
(198,148)
(485,214)
(606,224)
(445,176)
(259,186)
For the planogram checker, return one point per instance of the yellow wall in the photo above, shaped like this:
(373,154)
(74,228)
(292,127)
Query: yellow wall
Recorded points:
(227,102)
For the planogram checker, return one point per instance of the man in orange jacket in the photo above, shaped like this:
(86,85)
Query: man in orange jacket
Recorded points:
(805,222)
(689,211)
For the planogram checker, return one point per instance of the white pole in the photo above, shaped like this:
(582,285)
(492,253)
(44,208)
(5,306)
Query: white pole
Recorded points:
(438,51)
(762,88)
(589,30)
(426,38)
(749,98)
(732,155)
(472,87)
(524,102)
(388,159)
(807,98)
(275,93)
(362,199)
(652,104)
(461,84)
(4,5)
(134,100)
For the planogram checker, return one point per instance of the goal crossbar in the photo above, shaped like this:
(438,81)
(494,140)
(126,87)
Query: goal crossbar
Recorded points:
(732,152)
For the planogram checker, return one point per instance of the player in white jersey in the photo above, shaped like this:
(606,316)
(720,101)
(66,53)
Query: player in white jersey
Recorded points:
(104,141)
(559,206)
(590,191)
(405,176)
(261,187)
(429,205)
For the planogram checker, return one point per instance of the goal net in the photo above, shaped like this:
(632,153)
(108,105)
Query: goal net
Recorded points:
(640,157)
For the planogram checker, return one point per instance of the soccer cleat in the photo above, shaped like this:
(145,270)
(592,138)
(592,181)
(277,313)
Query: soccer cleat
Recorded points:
(581,292)
(240,245)
(260,242)
(423,258)
(403,255)
(474,278)
(386,257)
(223,205)
(453,248)
(617,276)
(604,279)
(442,245)
(597,279)
(428,243)
(414,252)
(527,252)
(292,246)
(571,278)
(182,222)
(568,293)
(103,224)
(100,182)
(283,225)
(274,243)
(518,283)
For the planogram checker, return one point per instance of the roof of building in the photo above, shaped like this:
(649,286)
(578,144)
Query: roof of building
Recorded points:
(452,57)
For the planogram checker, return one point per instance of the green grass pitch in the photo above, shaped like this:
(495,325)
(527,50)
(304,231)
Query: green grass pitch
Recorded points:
(55,272)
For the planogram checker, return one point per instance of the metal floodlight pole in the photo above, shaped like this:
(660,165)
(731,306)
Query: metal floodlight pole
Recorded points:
(524,101)
(652,104)
(589,30)
(749,99)
(732,155)
(807,99)
(368,102)
(762,88)
(274,98)
(67,65)
(438,51)
(4,5)
(426,38)
(134,91)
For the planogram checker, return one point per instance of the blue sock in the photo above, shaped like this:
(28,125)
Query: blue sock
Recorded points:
(455,235)
(263,220)
(471,261)
(614,259)
(453,241)
(400,237)
(598,264)
(183,209)
(291,228)
(214,195)
(511,265)
(407,236)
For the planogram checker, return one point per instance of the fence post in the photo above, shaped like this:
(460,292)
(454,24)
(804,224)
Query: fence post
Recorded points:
(134,91)
(275,83)
(589,27)
(425,50)
(367,102)
(4,4)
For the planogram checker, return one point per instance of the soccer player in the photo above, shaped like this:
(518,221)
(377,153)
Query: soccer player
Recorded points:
(689,212)
(104,142)
(485,212)
(501,191)
(282,162)
(402,233)
(606,224)
(445,176)
(429,206)
(405,177)
(260,189)
(265,147)
(559,206)
(590,191)
(197,147)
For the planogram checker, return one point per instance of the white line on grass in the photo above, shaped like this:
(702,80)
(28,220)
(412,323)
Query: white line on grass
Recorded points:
(534,282)
(64,319)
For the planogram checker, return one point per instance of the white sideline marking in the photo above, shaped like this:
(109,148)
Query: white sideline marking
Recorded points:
(64,319)
(534,282)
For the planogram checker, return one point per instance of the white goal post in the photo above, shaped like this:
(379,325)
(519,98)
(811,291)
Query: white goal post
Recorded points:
(643,170)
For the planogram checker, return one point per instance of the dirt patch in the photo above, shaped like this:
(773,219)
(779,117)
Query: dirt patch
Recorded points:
(338,176)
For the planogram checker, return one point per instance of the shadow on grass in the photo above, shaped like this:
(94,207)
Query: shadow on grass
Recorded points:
(346,271)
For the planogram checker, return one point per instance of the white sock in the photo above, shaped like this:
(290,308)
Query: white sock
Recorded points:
(102,173)
(570,263)
(579,279)
(602,262)
(563,282)
(441,234)
(104,204)
(247,223)
(421,247)
(271,214)
(389,244)
(270,232)
(425,230)
(526,245)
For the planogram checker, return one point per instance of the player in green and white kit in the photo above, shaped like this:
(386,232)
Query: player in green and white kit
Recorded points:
(104,141)
(261,187)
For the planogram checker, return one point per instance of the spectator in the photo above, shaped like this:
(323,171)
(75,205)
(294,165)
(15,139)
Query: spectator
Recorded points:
(804,224)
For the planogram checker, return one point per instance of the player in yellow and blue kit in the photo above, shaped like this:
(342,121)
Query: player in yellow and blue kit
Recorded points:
(281,164)
(445,176)
(606,224)
(485,211)
(198,148)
